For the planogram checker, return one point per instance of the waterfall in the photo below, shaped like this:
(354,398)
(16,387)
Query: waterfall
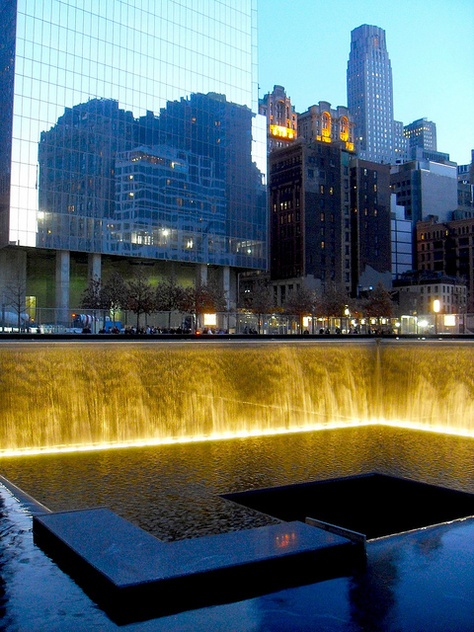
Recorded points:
(83,394)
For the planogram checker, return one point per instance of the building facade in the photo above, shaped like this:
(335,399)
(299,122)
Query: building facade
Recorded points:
(432,294)
(447,248)
(81,85)
(420,133)
(424,189)
(329,125)
(310,216)
(370,94)
(282,120)
(402,240)
(370,225)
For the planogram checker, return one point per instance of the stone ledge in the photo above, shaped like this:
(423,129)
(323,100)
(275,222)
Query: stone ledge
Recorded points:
(125,569)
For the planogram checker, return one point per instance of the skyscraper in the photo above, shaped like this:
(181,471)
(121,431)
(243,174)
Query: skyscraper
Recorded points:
(370,94)
(129,131)
(421,133)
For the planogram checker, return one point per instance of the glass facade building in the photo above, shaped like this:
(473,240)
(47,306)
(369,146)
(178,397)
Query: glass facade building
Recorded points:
(131,129)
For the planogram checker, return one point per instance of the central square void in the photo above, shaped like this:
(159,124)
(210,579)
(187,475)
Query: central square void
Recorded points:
(374,504)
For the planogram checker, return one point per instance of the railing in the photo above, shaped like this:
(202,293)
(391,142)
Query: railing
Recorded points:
(50,320)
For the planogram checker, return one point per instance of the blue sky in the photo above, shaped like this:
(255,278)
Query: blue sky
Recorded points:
(304,46)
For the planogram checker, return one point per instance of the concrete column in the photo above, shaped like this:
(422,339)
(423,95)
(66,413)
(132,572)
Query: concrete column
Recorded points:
(62,286)
(229,285)
(94,263)
(201,274)
(226,285)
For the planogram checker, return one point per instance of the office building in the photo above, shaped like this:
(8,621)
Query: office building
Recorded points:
(370,94)
(420,133)
(425,188)
(402,240)
(129,135)
(330,219)
(400,143)
(466,172)
(465,190)
(309,217)
(420,137)
(370,225)
(447,248)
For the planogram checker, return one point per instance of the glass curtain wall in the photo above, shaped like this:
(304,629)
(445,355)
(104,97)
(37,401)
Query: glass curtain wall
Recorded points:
(130,129)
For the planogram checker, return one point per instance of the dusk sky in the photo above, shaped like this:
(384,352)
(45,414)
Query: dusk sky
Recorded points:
(304,46)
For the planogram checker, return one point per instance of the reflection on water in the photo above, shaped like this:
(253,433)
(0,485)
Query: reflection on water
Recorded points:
(89,394)
(172,491)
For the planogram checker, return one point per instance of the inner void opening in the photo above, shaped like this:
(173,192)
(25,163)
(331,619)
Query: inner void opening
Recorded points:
(374,504)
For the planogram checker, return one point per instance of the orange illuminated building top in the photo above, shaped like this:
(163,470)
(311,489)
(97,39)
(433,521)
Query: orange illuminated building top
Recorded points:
(279,131)
(327,125)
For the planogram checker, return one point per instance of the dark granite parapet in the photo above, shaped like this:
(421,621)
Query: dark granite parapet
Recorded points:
(128,571)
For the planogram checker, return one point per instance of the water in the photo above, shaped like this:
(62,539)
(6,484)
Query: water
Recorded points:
(85,394)
(173,491)
(95,394)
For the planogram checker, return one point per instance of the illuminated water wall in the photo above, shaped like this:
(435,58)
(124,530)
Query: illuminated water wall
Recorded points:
(85,394)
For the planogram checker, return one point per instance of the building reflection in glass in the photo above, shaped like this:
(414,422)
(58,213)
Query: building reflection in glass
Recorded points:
(88,86)
(181,185)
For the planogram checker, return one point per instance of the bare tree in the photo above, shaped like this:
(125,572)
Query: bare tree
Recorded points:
(169,297)
(92,297)
(379,304)
(115,294)
(15,299)
(141,297)
(301,302)
(333,301)
(202,299)
(260,301)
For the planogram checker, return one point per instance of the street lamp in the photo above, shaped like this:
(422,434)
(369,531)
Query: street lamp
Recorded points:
(436,310)
(347,314)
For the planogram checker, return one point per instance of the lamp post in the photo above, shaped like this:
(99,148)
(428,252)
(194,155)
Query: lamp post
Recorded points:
(436,310)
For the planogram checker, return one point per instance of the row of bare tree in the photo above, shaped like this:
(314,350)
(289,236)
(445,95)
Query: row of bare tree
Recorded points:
(139,296)
(332,302)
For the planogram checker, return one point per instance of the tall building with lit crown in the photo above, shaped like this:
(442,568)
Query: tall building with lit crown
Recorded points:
(129,134)
(326,124)
(282,119)
(370,94)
